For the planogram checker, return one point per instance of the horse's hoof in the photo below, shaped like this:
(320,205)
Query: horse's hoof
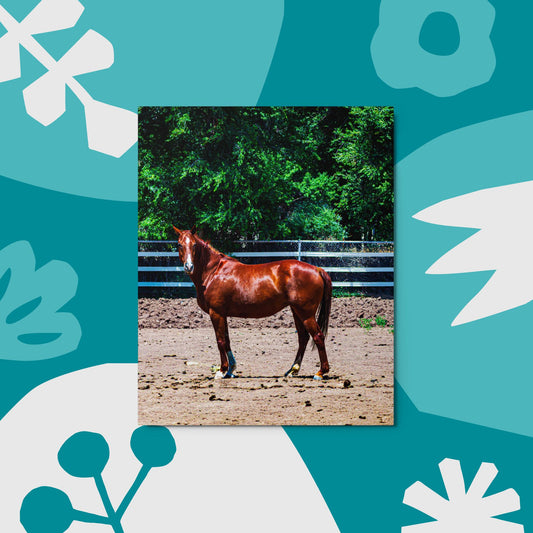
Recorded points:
(219,375)
(293,371)
(229,375)
(318,376)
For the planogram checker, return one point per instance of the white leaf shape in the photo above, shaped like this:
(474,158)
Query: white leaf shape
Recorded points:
(9,58)
(52,15)
(504,218)
(90,53)
(110,130)
(45,98)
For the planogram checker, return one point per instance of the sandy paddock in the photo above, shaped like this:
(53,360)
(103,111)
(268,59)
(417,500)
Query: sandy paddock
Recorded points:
(176,384)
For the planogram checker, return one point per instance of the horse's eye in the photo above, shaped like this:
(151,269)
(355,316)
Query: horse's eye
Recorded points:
(179,246)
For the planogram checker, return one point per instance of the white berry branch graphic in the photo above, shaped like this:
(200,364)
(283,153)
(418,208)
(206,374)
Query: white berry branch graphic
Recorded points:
(504,218)
(110,130)
(463,511)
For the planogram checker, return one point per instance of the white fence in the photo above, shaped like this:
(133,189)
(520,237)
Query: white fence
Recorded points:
(354,257)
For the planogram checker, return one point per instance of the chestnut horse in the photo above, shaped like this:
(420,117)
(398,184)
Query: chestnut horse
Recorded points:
(226,287)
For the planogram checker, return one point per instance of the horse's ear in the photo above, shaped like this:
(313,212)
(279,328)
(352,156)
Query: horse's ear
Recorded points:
(193,229)
(178,231)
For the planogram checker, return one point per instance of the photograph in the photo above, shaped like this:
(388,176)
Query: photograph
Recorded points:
(266,266)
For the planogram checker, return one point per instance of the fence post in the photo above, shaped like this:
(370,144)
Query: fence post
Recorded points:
(299,250)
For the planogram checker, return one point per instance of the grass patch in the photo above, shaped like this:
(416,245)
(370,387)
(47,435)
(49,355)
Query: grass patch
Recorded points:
(381,321)
(339,292)
(366,323)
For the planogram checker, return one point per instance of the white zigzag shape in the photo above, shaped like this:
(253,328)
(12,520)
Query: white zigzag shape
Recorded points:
(463,512)
(504,217)
(110,130)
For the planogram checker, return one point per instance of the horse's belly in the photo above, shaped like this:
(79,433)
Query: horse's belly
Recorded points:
(256,307)
(256,310)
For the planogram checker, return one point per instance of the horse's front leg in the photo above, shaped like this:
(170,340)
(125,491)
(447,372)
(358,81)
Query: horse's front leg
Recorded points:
(220,325)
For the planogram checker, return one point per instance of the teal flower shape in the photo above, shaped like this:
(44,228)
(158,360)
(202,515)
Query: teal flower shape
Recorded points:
(402,62)
(31,325)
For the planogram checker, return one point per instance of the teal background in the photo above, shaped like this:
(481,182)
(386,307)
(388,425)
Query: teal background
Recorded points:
(78,206)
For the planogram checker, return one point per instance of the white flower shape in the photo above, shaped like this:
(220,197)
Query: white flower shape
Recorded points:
(463,512)
(31,326)
(401,62)
(503,215)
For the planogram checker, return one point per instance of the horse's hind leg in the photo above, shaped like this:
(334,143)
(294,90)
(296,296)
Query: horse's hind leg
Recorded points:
(303,339)
(221,331)
(232,364)
(318,337)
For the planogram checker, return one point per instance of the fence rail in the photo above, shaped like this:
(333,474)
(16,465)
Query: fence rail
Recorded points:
(301,251)
(281,254)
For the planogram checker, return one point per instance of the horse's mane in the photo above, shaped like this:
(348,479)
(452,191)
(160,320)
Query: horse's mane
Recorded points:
(207,245)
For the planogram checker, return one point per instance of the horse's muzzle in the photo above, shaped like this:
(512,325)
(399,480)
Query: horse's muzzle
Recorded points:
(188,267)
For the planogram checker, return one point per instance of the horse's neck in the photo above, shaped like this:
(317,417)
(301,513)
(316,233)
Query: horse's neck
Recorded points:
(208,263)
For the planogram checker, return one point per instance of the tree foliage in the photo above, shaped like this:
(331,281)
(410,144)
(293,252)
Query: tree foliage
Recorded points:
(268,173)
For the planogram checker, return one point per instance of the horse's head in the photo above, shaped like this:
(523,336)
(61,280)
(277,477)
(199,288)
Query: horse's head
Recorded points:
(187,247)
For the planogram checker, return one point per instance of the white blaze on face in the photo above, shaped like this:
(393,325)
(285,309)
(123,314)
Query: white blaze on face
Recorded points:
(188,247)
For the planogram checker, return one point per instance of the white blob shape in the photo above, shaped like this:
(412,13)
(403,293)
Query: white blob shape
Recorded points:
(463,512)
(505,219)
(267,486)
(9,58)
(45,98)
(52,15)
(110,130)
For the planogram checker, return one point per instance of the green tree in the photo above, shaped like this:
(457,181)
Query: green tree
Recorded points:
(364,153)
(262,172)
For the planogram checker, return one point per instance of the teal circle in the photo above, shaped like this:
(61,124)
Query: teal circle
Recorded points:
(440,34)
(46,510)
(84,454)
(153,445)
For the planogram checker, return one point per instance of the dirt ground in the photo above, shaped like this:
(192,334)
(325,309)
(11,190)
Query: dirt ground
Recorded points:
(185,313)
(177,350)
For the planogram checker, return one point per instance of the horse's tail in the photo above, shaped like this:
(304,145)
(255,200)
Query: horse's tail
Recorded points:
(325,304)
